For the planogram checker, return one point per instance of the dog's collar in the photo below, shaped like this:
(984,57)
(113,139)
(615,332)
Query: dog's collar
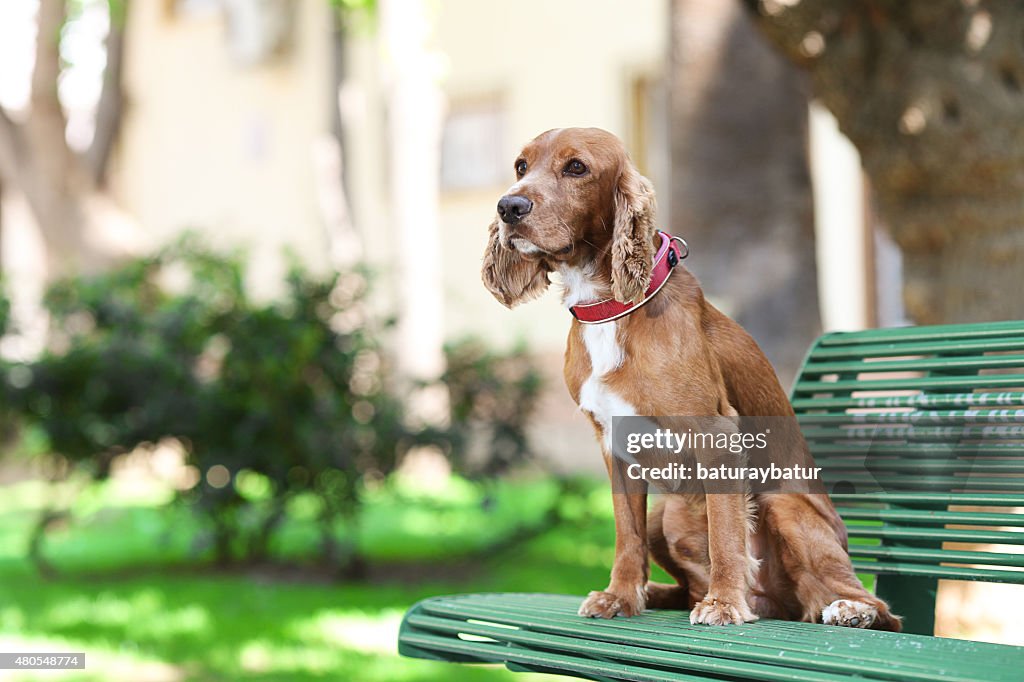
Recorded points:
(670,253)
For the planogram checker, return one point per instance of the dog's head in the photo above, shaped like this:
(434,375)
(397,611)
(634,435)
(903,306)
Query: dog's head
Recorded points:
(579,200)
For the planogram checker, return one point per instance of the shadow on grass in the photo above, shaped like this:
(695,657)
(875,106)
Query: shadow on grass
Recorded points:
(231,627)
(194,624)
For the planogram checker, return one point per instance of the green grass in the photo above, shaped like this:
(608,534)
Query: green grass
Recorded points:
(189,625)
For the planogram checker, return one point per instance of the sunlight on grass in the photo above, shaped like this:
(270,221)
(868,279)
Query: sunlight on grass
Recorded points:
(102,663)
(146,612)
(174,626)
(361,631)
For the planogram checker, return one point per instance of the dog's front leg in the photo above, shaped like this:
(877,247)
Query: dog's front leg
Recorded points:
(731,563)
(626,592)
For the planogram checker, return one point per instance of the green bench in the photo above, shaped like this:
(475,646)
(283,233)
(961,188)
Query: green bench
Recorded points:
(920,434)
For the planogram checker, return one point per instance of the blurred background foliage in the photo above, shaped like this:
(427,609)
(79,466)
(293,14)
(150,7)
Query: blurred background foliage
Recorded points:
(268,402)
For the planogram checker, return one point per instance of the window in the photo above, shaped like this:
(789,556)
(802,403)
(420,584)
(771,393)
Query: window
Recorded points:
(648,141)
(471,148)
(192,9)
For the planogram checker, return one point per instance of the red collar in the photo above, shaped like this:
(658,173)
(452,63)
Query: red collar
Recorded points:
(606,310)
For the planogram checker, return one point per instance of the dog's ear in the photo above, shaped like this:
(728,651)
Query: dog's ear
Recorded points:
(510,277)
(633,231)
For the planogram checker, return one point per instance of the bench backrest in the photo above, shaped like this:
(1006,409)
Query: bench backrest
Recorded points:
(920,434)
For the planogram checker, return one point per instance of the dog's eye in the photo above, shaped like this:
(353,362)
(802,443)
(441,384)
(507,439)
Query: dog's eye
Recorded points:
(520,168)
(575,167)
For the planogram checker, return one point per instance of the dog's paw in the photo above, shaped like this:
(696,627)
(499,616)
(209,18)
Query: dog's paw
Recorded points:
(599,604)
(849,614)
(717,611)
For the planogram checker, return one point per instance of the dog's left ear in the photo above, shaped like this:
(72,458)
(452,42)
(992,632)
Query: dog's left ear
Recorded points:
(632,248)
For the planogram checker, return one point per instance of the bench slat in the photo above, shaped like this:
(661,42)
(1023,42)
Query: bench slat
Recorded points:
(918,449)
(912,383)
(937,484)
(942,499)
(943,364)
(1002,537)
(934,556)
(947,572)
(544,632)
(988,416)
(933,516)
(938,332)
(942,347)
(920,466)
(1005,398)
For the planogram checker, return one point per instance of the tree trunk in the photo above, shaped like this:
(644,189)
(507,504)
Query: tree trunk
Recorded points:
(932,95)
(415,119)
(111,104)
(59,185)
(740,187)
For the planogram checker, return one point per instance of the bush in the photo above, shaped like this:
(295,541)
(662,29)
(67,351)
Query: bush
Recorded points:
(492,398)
(271,400)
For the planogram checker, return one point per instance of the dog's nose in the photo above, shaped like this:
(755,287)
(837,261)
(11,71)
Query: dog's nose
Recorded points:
(512,208)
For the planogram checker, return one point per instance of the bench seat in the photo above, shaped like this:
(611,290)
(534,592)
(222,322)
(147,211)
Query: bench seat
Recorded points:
(920,435)
(542,633)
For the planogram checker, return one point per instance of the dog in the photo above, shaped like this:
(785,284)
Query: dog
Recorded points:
(580,208)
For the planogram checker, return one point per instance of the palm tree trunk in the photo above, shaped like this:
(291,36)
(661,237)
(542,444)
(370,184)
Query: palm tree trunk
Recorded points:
(740,188)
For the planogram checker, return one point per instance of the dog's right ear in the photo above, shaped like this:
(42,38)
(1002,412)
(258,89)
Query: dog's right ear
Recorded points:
(510,277)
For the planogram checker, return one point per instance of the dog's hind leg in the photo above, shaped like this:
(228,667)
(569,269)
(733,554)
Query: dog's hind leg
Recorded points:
(817,564)
(664,596)
(677,539)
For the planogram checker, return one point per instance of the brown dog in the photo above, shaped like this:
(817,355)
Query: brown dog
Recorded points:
(581,209)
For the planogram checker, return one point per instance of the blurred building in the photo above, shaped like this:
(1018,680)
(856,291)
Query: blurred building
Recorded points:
(223,120)
(226,131)
(233,109)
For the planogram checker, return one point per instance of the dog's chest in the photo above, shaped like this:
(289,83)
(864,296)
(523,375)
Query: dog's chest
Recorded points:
(601,344)
(595,396)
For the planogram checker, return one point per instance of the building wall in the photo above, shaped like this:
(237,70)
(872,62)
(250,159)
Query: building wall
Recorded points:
(224,148)
(533,75)
(575,64)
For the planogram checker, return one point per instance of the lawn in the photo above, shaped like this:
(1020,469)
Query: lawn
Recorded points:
(135,595)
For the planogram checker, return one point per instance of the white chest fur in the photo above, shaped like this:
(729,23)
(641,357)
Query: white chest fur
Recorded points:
(606,355)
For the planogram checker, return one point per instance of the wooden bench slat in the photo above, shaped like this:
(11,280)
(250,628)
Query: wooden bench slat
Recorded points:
(1001,537)
(918,449)
(943,364)
(761,641)
(947,572)
(938,332)
(870,433)
(547,634)
(912,383)
(935,556)
(1004,398)
(942,499)
(933,516)
(942,347)
(940,417)
(639,649)
(907,483)
(920,466)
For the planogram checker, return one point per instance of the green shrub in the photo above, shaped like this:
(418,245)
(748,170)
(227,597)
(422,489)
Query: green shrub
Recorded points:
(271,400)
(492,396)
